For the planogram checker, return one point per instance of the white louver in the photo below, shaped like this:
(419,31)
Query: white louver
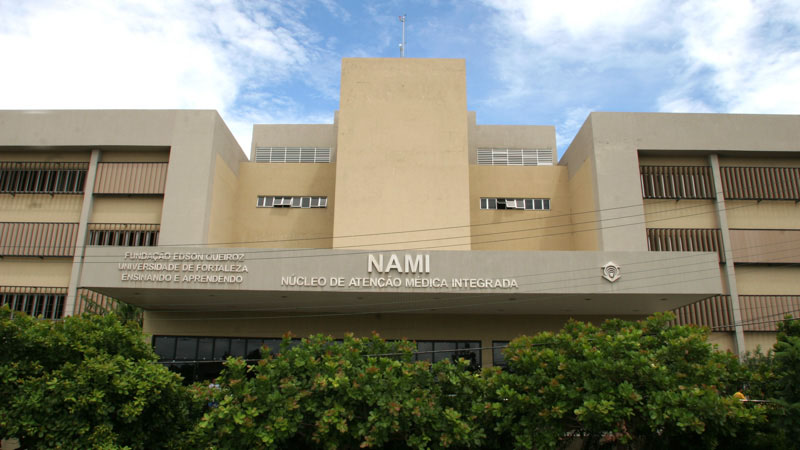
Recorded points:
(293,155)
(515,157)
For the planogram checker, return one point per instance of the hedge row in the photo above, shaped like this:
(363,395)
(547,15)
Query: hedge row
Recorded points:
(93,382)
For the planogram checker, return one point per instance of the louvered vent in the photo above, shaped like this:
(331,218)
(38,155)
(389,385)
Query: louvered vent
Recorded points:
(685,240)
(293,154)
(761,183)
(37,238)
(758,312)
(131,178)
(515,157)
(677,182)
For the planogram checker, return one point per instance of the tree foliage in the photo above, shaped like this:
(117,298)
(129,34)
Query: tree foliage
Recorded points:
(622,384)
(363,392)
(92,382)
(86,382)
(786,394)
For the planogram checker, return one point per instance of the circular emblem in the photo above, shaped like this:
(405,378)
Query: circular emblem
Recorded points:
(611,272)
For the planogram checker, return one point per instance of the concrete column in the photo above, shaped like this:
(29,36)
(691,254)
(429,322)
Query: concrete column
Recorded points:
(730,275)
(80,243)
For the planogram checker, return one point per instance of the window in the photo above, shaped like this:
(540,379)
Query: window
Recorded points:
(200,358)
(532,204)
(293,154)
(291,202)
(42,178)
(498,358)
(435,351)
(48,306)
(515,157)
(123,235)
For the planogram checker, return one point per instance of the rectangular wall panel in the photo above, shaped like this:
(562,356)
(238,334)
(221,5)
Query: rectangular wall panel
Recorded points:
(761,183)
(685,240)
(37,239)
(677,182)
(765,246)
(131,178)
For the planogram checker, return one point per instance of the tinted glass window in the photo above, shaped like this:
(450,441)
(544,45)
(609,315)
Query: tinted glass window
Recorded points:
(498,358)
(222,348)
(238,347)
(186,348)
(205,349)
(254,348)
(424,346)
(274,345)
(165,347)
(441,350)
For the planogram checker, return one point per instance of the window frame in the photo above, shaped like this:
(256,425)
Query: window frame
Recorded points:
(292,201)
(520,204)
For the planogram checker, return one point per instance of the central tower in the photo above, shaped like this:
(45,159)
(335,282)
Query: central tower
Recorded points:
(402,174)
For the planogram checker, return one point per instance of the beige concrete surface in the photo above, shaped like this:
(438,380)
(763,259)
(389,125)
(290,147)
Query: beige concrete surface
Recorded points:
(40,207)
(668,213)
(771,214)
(285,227)
(520,229)
(223,226)
(768,280)
(33,271)
(402,163)
(126,209)
(583,211)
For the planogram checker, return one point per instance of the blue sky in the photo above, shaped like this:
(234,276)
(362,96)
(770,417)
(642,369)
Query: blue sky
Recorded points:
(528,62)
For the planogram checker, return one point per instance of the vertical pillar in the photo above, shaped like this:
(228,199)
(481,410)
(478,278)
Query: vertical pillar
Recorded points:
(80,242)
(730,275)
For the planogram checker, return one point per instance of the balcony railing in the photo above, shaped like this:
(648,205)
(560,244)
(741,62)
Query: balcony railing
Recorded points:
(45,302)
(123,234)
(42,177)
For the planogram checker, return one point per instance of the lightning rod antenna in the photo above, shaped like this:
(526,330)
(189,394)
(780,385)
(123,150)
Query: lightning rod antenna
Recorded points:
(403,41)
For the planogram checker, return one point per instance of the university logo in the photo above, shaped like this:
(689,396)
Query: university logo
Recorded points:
(611,272)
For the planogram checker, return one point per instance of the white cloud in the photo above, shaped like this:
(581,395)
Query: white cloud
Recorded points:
(571,21)
(149,54)
(674,102)
(751,51)
(548,49)
(740,56)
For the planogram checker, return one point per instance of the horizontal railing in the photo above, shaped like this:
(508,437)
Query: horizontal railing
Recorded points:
(31,177)
(44,302)
(123,234)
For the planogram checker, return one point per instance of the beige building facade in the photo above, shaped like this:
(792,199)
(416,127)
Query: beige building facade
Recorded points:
(404,216)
